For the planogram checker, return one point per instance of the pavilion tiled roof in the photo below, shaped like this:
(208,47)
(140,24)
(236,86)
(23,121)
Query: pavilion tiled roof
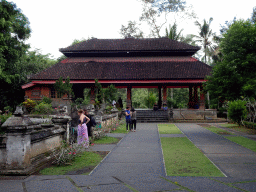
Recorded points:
(126,69)
(130,44)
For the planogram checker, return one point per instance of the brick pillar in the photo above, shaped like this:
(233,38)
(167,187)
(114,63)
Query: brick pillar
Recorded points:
(190,102)
(164,94)
(202,98)
(159,97)
(129,97)
(92,97)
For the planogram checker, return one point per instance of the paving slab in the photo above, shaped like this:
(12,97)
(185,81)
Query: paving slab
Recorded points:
(225,149)
(247,186)
(172,135)
(11,186)
(243,171)
(98,147)
(232,179)
(232,158)
(44,177)
(148,182)
(117,135)
(117,169)
(87,180)
(135,158)
(107,188)
(201,184)
(135,150)
(60,185)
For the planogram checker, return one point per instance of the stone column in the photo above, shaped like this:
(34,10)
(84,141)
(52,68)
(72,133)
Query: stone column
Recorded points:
(165,95)
(129,97)
(159,97)
(202,98)
(92,97)
(190,102)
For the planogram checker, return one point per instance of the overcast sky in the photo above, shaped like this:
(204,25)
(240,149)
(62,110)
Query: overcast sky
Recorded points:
(56,23)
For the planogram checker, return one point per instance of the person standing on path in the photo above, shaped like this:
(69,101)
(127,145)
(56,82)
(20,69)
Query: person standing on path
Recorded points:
(133,120)
(128,118)
(89,125)
(82,132)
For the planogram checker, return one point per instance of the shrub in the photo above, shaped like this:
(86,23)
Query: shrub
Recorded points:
(237,111)
(7,109)
(250,125)
(3,118)
(47,100)
(43,108)
(150,101)
(29,104)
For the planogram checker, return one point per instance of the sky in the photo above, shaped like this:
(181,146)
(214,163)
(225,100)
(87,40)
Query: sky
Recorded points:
(56,23)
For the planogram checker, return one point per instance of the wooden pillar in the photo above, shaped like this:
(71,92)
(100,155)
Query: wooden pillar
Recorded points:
(195,95)
(129,97)
(159,97)
(202,98)
(190,102)
(92,96)
(172,96)
(165,95)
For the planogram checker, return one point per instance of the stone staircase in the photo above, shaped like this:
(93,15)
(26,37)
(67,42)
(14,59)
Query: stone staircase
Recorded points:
(148,116)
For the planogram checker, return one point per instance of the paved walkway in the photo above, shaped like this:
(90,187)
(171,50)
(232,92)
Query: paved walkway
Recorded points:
(136,164)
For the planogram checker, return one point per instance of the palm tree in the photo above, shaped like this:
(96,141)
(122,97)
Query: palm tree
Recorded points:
(205,35)
(173,33)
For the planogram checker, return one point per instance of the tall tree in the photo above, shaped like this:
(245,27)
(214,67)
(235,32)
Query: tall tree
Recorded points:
(14,30)
(131,30)
(205,37)
(173,32)
(234,76)
(253,19)
(156,11)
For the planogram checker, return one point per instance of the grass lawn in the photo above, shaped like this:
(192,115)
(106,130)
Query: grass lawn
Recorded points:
(86,159)
(168,129)
(218,130)
(121,128)
(106,140)
(236,127)
(182,158)
(247,143)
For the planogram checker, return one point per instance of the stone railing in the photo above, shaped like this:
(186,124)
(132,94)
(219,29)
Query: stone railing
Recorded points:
(28,144)
(194,114)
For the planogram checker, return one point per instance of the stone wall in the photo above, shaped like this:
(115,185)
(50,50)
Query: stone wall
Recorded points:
(28,145)
(194,114)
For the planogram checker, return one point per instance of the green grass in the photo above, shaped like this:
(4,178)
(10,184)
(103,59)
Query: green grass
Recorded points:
(168,129)
(86,159)
(245,142)
(182,158)
(218,130)
(236,127)
(106,140)
(121,128)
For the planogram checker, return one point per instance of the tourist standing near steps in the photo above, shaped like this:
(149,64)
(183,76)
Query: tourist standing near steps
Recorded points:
(89,125)
(82,133)
(128,118)
(133,120)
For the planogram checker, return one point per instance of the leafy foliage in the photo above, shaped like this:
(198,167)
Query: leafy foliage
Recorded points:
(237,110)
(234,76)
(110,94)
(131,30)
(29,104)
(63,88)
(150,100)
(43,108)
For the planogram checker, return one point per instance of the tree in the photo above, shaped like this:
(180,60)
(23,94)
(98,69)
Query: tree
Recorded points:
(63,88)
(14,30)
(205,37)
(131,30)
(110,94)
(253,19)
(156,11)
(234,76)
(173,32)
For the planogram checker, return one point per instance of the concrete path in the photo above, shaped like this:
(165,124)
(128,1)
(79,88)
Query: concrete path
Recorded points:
(136,164)
(231,158)
(138,152)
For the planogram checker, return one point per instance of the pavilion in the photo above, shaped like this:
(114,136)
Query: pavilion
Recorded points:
(126,63)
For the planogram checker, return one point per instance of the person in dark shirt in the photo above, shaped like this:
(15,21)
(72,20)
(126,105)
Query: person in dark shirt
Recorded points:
(89,125)
(128,118)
